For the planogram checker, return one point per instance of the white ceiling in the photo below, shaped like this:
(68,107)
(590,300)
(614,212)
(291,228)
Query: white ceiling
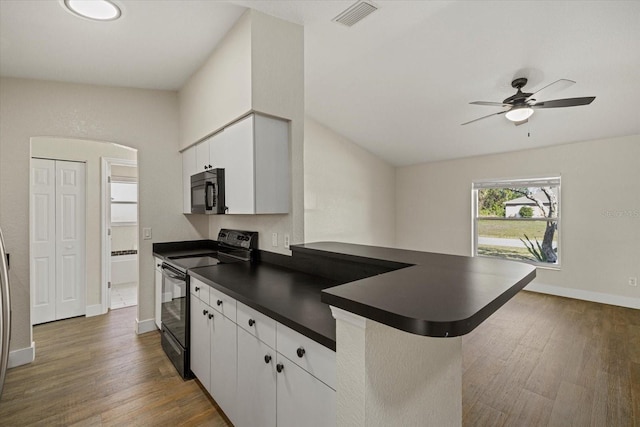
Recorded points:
(398,83)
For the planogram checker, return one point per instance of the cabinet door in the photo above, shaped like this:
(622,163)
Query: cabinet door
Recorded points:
(202,156)
(256,401)
(302,398)
(189,167)
(158,283)
(218,154)
(200,341)
(223,364)
(237,144)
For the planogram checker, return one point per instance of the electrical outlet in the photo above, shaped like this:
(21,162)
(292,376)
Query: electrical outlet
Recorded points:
(146,233)
(286,240)
(274,240)
(633,281)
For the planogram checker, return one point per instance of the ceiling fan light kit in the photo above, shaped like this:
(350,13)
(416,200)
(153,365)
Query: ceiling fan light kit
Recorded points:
(520,107)
(519,114)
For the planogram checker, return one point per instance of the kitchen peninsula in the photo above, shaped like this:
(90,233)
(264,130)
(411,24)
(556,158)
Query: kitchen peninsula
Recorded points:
(399,317)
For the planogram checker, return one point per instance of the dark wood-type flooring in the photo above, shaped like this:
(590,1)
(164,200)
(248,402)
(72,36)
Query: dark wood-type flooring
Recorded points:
(539,361)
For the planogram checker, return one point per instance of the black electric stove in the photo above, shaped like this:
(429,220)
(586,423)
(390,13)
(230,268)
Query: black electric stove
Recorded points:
(233,246)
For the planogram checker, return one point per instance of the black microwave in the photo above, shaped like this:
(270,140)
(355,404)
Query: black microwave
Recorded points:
(207,192)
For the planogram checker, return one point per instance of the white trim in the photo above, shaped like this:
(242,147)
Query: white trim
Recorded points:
(22,356)
(95,310)
(144,326)
(347,316)
(581,294)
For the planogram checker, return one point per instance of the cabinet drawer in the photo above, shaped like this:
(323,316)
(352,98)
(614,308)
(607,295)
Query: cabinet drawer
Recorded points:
(314,358)
(200,289)
(257,324)
(223,303)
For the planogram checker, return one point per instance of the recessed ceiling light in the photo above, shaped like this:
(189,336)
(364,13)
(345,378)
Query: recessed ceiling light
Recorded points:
(98,10)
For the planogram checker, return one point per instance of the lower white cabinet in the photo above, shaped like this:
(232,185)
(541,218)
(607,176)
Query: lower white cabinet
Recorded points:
(256,402)
(200,347)
(158,282)
(255,384)
(302,399)
(224,359)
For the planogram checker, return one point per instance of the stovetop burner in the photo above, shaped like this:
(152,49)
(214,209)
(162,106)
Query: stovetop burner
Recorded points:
(195,261)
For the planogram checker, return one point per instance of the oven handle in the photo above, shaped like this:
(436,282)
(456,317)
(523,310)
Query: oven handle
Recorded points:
(169,271)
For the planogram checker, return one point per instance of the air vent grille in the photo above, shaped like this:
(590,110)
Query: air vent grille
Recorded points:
(355,13)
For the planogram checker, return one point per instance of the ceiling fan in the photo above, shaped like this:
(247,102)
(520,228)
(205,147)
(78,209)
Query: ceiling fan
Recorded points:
(519,107)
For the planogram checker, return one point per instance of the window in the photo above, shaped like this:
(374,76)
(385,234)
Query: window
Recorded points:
(518,220)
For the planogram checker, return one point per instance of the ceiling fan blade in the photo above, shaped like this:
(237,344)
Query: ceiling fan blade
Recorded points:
(492,104)
(551,87)
(484,117)
(567,102)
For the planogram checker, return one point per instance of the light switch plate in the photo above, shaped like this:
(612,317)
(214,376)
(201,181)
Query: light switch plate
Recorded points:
(286,241)
(146,233)
(274,240)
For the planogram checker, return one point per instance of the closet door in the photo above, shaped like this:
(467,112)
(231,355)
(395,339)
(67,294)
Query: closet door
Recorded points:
(57,240)
(43,241)
(70,238)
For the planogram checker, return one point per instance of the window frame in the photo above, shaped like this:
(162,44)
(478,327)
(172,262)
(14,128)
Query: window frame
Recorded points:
(554,180)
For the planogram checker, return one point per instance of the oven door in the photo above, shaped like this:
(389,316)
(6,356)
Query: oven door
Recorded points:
(174,313)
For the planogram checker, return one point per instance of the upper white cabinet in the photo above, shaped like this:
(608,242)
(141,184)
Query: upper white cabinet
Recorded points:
(189,167)
(254,153)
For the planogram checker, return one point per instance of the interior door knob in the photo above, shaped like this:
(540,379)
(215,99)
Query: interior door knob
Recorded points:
(300,351)
(197,288)
(267,358)
(279,367)
(219,302)
(210,315)
(204,312)
(252,322)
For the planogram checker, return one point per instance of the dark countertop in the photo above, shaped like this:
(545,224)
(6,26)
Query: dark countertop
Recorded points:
(438,295)
(288,296)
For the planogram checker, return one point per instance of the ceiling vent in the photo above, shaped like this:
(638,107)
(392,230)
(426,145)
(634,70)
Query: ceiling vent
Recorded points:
(356,13)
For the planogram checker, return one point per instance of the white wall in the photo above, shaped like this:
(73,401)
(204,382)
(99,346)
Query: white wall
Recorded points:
(258,66)
(349,193)
(600,208)
(143,119)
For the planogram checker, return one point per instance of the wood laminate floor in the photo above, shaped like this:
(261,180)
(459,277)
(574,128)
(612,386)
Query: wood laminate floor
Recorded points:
(539,361)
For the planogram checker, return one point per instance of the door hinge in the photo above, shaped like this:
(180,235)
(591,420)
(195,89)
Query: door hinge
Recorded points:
(108,232)
(109,179)
(109,285)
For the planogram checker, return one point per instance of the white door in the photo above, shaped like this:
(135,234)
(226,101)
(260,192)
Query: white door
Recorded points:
(57,240)
(70,238)
(43,240)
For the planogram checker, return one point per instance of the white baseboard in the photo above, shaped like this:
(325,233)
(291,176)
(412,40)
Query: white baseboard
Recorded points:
(22,356)
(603,298)
(94,310)
(144,326)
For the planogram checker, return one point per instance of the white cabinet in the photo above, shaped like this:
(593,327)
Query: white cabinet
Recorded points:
(260,372)
(256,405)
(257,172)
(189,167)
(224,359)
(200,347)
(254,153)
(302,399)
(158,282)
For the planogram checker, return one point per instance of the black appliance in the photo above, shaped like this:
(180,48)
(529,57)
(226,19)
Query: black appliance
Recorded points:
(233,246)
(207,192)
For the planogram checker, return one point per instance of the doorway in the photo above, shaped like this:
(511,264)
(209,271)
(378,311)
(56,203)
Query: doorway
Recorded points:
(120,225)
(91,154)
